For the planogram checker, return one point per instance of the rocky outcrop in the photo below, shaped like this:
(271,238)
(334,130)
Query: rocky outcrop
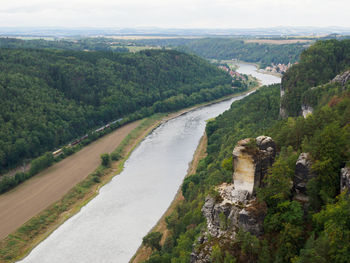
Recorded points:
(303,175)
(345,180)
(342,78)
(251,162)
(234,206)
(283,112)
(306,110)
(234,211)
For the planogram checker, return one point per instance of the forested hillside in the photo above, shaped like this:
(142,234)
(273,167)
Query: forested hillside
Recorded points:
(318,65)
(231,48)
(49,97)
(303,221)
(97,44)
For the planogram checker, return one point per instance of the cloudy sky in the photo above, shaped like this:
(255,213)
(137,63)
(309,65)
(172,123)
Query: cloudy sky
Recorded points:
(174,13)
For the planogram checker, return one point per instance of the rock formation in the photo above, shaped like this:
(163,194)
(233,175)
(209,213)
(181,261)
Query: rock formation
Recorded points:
(342,78)
(251,162)
(345,179)
(303,175)
(235,206)
(306,110)
(283,112)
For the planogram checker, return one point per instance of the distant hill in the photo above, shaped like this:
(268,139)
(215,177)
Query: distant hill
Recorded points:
(318,65)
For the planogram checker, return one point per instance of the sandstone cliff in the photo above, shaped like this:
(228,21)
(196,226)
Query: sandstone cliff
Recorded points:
(236,207)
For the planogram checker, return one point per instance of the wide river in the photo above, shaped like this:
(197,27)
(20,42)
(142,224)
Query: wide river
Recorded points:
(110,227)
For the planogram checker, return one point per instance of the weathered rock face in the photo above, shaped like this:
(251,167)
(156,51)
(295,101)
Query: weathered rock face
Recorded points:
(235,210)
(302,176)
(232,213)
(235,207)
(345,179)
(283,112)
(250,165)
(342,78)
(306,110)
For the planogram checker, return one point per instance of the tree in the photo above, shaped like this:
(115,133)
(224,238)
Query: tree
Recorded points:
(152,240)
(105,160)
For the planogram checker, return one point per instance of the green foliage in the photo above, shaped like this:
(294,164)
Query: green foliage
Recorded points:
(187,220)
(52,97)
(227,164)
(169,244)
(318,65)
(188,185)
(115,156)
(105,160)
(152,240)
(232,48)
(216,255)
(41,163)
(277,183)
(332,244)
(77,45)
(292,233)
(249,244)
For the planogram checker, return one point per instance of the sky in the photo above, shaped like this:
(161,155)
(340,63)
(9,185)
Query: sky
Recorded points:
(174,13)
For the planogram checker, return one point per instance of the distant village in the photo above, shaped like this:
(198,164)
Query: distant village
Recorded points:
(234,74)
(280,68)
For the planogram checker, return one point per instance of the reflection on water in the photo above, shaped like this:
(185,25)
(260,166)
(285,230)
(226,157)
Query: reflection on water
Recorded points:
(110,228)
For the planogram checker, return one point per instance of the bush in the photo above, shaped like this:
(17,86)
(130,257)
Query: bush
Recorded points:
(41,163)
(105,160)
(152,240)
(115,156)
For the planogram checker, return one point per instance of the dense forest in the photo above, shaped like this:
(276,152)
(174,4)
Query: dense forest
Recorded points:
(210,48)
(318,65)
(292,231)
(231,48)
(50,97)
(81,44)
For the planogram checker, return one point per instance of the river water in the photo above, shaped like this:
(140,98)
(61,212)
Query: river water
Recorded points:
(110,227)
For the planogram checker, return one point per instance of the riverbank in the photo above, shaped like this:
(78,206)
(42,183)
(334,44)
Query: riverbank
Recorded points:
(38,228)
(143,252)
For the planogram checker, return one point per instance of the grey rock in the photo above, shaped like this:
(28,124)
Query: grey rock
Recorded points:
(264,160)
(306,110)
(237,207)
(303,175)
(342,78)
(345,179)
(283,112)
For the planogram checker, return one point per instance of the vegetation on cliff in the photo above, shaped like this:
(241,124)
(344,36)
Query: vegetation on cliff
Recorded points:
(187,220)
(314,230)
(318,65)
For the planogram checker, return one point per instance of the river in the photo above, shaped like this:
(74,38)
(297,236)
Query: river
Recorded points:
(111,226)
